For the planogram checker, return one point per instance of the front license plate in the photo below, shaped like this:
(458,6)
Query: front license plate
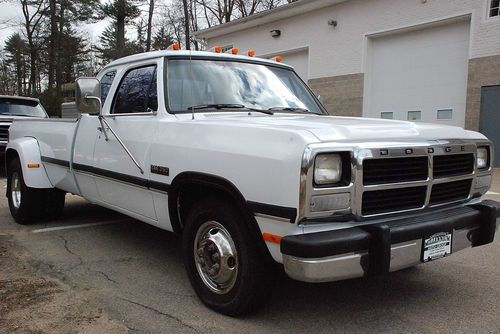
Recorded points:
(436,246)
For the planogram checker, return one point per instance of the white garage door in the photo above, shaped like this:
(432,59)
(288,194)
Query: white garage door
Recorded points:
(300,62)
(419,75)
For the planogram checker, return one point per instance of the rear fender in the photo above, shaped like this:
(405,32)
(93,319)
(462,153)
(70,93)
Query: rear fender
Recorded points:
(28,152)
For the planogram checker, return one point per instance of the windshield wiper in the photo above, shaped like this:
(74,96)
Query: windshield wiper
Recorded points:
(293,109)
(219,106)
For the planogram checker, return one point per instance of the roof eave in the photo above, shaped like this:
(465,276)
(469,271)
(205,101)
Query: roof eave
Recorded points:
(278,13)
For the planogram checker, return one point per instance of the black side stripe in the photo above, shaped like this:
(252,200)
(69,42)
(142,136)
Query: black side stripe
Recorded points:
(54,161)
(273,210)
(111,175)
(165,187)
(138,181)
(255,207)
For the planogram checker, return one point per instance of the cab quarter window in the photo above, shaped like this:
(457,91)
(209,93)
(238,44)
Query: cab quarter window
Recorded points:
(137,91)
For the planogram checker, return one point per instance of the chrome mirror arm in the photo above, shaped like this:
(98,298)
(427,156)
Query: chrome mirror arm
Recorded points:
(103,128)
(105,122)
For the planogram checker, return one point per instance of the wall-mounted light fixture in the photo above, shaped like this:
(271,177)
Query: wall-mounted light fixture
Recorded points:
(275,33)
(332,22)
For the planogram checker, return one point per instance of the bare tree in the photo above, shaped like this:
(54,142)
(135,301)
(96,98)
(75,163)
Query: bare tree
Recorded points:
(186,24)
(33,13)
(150,24)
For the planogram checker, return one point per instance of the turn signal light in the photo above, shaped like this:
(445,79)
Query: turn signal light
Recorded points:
(275,239)
(33,165)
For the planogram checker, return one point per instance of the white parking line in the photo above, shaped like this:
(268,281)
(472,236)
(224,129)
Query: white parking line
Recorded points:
(69,227)
(492,193)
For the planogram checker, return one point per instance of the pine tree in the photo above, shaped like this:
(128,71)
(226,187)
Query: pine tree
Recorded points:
(16,48)
(122,12)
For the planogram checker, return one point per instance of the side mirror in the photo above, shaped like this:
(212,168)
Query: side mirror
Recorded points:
(88,95)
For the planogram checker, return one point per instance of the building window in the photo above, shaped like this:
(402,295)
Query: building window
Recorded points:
(445,114)
(414,115)
(387,115)
(494,8)
(227,48)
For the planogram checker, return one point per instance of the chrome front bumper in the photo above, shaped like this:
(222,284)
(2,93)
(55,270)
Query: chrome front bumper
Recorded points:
(382,248)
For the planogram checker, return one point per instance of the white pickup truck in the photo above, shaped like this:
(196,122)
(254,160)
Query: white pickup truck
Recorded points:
(237,156)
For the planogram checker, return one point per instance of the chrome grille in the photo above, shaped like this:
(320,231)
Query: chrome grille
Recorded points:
(378,185)
(453,165)
(393,170)
(394,180)
(389,200)
(4,132)
(450,191)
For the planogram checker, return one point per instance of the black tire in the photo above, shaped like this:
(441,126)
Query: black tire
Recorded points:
(29,207)
(35,204)
(53,204)
(252,283)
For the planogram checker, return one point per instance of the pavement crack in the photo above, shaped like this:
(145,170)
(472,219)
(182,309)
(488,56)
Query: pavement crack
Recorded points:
(69,250)
(82,263)
(106,276)
(161,313)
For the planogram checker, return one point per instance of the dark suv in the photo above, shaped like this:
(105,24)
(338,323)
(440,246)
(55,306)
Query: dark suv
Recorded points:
(16,107)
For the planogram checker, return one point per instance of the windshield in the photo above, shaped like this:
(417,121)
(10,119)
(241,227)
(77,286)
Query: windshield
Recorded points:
(18,107)
(203,84)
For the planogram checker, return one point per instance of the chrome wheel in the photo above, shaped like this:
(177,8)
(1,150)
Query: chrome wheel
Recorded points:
(15,190)
(215,257)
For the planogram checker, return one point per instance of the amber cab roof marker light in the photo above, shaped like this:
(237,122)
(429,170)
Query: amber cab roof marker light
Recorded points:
(251,53)
(174,47)
(216,49)
(278,59)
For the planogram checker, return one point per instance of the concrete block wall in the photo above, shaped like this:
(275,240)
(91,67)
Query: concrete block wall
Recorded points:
(341,95)
(483,71)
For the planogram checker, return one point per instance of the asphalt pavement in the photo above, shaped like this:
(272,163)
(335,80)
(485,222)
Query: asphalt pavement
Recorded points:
(133,273)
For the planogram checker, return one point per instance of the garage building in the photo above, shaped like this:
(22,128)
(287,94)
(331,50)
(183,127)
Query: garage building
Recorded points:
(420,60)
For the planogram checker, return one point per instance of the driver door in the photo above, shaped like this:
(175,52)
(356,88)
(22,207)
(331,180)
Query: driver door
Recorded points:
(132,118)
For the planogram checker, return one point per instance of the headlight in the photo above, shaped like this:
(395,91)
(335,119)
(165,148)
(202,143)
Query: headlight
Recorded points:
(482,157)
(327,169)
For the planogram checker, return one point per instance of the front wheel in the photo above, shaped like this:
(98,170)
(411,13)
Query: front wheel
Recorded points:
(29,205)
(225,265)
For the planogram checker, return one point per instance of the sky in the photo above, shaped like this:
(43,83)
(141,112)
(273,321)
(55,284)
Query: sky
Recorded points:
(12,11)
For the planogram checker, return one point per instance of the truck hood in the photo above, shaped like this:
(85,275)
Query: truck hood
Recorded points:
(335,128)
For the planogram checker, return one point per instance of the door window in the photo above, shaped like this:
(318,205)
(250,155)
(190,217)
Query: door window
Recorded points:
(106,82)
(137,92)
